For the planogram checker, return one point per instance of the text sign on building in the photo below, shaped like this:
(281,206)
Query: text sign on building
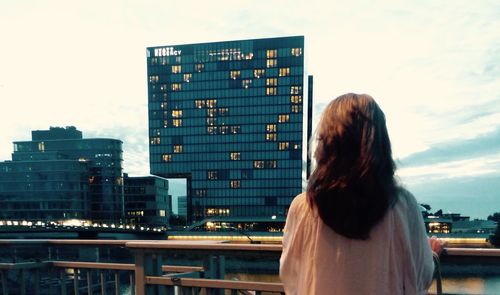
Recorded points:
(167,51)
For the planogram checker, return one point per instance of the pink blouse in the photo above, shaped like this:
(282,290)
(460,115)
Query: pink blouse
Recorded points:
(396,259)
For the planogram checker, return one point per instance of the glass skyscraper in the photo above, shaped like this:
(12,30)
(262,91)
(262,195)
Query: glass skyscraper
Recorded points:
(60,175)
(230,117)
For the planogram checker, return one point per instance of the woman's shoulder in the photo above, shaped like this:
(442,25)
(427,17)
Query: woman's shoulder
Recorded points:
(298,203)
(406,199)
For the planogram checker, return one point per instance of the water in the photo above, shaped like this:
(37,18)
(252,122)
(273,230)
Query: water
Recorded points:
(488,285)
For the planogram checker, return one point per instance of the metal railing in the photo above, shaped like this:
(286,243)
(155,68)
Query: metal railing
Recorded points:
(150,267)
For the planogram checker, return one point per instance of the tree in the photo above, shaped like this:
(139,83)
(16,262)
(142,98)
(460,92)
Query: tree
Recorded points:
(495,238)
(426,206)
(495,217)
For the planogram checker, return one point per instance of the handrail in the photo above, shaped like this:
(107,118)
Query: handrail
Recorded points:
(207,245)
(218,284)
(117,266)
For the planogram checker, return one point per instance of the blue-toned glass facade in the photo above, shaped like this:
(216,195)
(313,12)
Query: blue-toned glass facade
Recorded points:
(147,201)
(229,117)
(49,189)
(85,175)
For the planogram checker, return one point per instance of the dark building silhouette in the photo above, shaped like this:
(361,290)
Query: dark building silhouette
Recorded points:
(61,175)
(231,117)
(147,202)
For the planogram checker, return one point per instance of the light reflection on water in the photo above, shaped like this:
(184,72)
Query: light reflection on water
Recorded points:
(471,285)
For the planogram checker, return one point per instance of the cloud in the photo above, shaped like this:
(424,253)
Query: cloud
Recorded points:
(478,149)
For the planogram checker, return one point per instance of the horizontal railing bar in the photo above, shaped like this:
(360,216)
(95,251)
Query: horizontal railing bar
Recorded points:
(93,265)
(219,284)
(119,266)
(22,265)
(205,245)
(472,252)
(176,268)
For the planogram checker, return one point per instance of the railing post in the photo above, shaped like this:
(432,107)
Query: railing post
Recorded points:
(139,273)
(103,283)
(36,281)
(62,283)
(4,283)
(76,283)
(117,283)
(132,285)
(89,282)
(22,282)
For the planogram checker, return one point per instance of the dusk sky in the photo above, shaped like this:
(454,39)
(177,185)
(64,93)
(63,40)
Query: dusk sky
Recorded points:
(433,66)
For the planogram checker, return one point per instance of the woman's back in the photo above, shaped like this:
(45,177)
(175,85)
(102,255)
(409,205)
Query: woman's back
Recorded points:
(396,259)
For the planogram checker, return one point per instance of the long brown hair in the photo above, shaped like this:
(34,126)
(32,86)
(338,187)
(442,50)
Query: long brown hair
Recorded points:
(353,184)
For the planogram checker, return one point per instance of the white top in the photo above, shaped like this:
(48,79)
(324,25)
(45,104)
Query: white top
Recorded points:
(396,259)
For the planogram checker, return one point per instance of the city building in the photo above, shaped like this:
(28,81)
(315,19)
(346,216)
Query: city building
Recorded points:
(232,118)
(61,175)
(182,206)
(147,202)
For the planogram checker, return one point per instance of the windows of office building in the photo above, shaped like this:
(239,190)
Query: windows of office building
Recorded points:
(154,79)
(154,132)
(272,53)
(283,118)
(284,72)
(295,108)
(235,129)
(271,136)
(271,128)
(199,104)
(199,67)
(235,74)
(235,184)
(296,98)
(176,69)
(295,89)
(258,73)
(296,51)
(271,91)
(155,140)
(200,192)
(176,113)
(211,112)
(271,63)
(224,129)
(270,164)
(177,122)
(217,212)
(166,157)
(259,164)
(211,121)
(212,175)
(271,82)
(235,156)
(246,83)
(283,145)
(176,86)
(187,77)
(211,103)
(177,148)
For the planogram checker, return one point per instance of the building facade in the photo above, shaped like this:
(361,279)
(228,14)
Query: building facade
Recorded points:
(147,202)
(61,175)
(231,118)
